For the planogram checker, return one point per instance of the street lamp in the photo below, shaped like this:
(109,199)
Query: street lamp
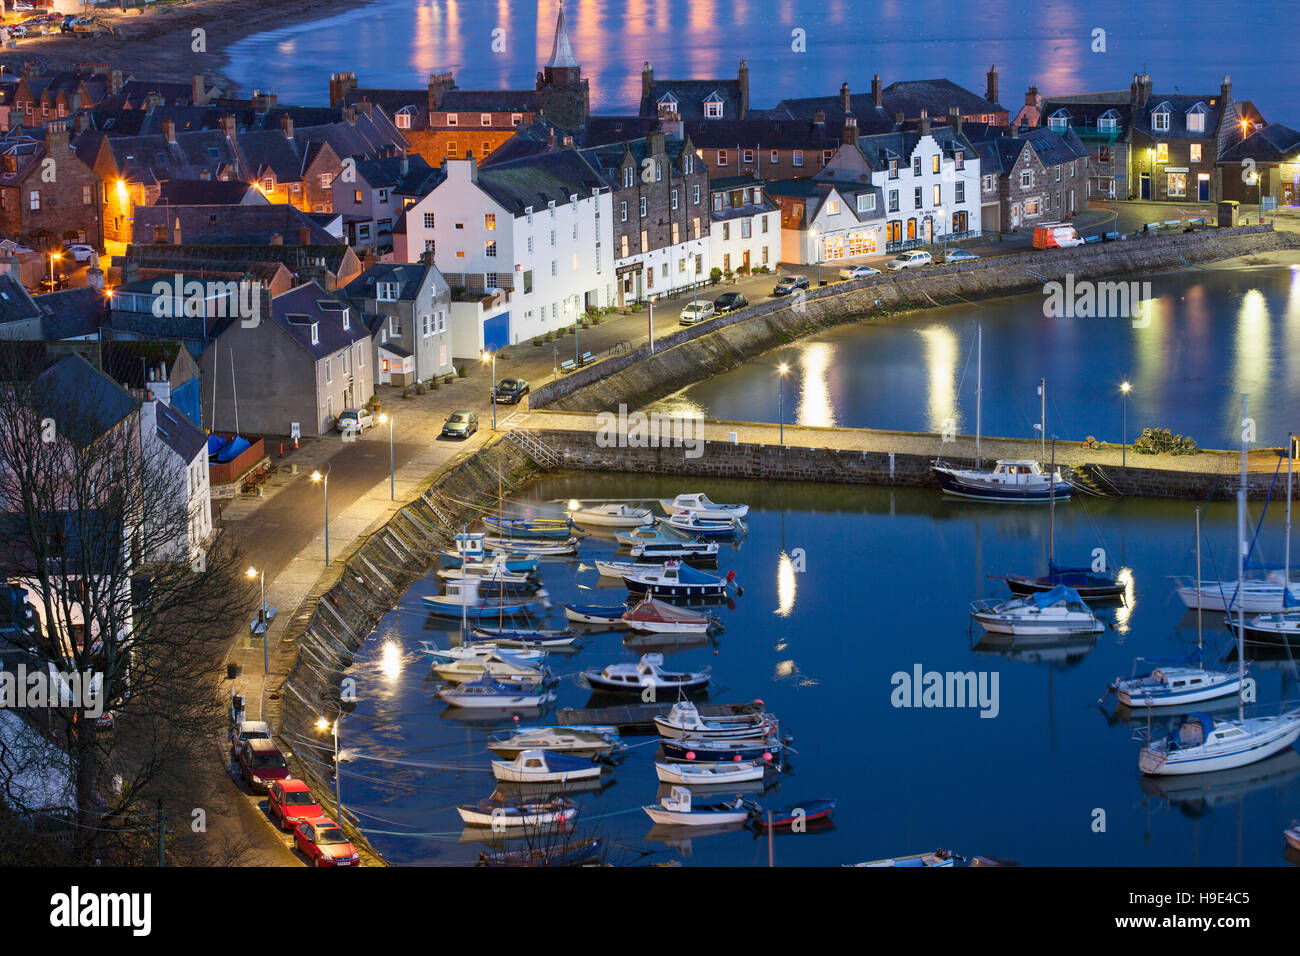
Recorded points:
(1124,390)
(651,301)
(324,723)
(325,479)
(54,257)
(254,572)
(780,399)
(392,471)
(492,357)
(817,251)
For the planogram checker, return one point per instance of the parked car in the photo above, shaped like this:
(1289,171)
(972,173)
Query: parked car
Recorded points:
(80,252)
(261,764)
(18,31)
(909,260)
(460,424)
(959,255)
(858,272)
(245,731)
(290,802)
(356,420)
(787,284)
(52,285)
(324,843)
(729,302)
(695,312)
(511,391)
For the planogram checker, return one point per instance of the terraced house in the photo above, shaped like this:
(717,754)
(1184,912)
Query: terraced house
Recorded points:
(1029,175)
(744,225)
(407,309)
(48,196)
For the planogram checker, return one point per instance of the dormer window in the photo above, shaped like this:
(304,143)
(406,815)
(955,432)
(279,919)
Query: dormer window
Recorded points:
(347,321)
(485,119)
(1196,119)
(315,333)
(451,119)
(403,117)
(1108,121)
(713,106)
(1160,119)
(1059,120)
(668,106)
(386,291)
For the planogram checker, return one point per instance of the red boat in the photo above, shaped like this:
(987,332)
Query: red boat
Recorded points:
(806,812)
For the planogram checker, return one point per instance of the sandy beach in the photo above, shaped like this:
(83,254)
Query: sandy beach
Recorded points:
(158,44)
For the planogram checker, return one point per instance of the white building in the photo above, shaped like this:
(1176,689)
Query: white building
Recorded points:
(744,225)
(177,448)
(829,221)
(538,226)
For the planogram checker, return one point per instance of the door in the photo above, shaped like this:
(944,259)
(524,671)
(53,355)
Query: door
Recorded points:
(1203,187)
(929,229)
(1146,185)
(745,263)
(1288,194)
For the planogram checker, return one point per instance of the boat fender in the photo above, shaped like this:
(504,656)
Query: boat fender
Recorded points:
(690,755)
(767,756)
(736,758)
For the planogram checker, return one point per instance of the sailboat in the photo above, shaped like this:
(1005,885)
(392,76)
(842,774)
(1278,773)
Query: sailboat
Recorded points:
(1181,683)
(1202,743)
(1012,481)
(1083,581)
(1282,627)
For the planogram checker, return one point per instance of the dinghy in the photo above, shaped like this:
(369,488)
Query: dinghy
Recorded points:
(678,809)
(588,741)
(616,569)
(530,548)
(1058,611)
(646,673)
(696,503)
(713,750)
(657,617)
(706,526)
(489,693)
(611,516)
(603,615)
(809,811)
(678,580)
(507,813)
(684,721)
(711,773)
(526,637)
(937,858)
(476,651)
(540,766)
(660,531)
(544,529)
(494,570)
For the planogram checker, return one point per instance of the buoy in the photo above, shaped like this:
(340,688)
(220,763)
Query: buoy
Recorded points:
(690,755)
(515,718)
(736,758)
(767,757)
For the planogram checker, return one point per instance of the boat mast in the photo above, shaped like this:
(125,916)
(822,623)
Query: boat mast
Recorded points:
(1241,568)
(979,386)
(1199,648)
(1042,421)
(1286,568)
(1051,511)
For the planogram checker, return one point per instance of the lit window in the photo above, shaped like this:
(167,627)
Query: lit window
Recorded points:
(1162,152)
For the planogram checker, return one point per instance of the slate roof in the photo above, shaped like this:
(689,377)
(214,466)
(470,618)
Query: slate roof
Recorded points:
(880,148)
(410,277)
(391,101)
(729,184)
(690,96)
(528,140)
(1087,109)
(221,255)
(1274,143)
(295,311)
(126,361)
(539,180)
(84,402)
(15,303)
(1177,105)
(489,101)
(208,192)
(815,192)
(999,152)
(386,173)
(764,134)
(608,160)
(908,97)
(231,225)
(601,130)
(179,433)
(133,93)
(72,313)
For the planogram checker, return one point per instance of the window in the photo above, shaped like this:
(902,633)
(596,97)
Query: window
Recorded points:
(491,280)
(775,157)
(489,220)
(959,158)
(530,245)
(713,109)
(917,198)
(1196,119)
(627,177)
(1106,123)
(622,212)
(404,118)
(893,200)
(624,250)
(326,180)
(938,194)
(428,220)
(575,230)
(747,156)
(833,207)
(934,164)
(1058,174)
(430,246)
(1177,184)
(676,234)
(1031,207)
(487,147)
(490,248)
(717,202)
(645,241)
(916,165)
(87,196)
(35,199)
(452,119)
(516,119)
(826,155)
(552,238)
(451,149)
(386,291)
(763,220)
(268,184)
(1162,152)
(746,228)
(1160,120)
(485,119)
(893,169)
(1195,156)
(960,192)
(528,282)
(695,228)
(726,231)
(361,355)
(643,207)
(1059,120)
(798,157)
(990,182)
(1027,179)
(722,157)
(674,199)
(696,195)
(554,268)
(315,340)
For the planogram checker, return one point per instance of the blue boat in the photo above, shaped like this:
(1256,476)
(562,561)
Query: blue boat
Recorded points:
(606,615)
(807,811)
(522,564)
(712,751)
(463,599)
(543,529)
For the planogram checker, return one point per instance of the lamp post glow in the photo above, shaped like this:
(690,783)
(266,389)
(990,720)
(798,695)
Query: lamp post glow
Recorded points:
(780,399)
(492,357)
(651,301)
(54,257)
(323,723)
(262,623)
(392,470)
(1124,390)
(325,479)
(817,251)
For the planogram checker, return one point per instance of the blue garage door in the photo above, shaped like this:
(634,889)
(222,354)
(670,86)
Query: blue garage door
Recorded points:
(496,332)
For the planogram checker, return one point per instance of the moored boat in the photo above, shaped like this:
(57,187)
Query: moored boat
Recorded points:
(809,811)
(587,741)
(574,853)
(487,693)
(477,651)
(465,598)
(713,750)
(526,637)
(647,673)
(1012,481)
(679,809)
(1058,611)
(612,515)
(1292,836)
(1201,743)
(542,766)
(500,665)
(1174,686)
(716,773)
(1253,596)
(707,526)
(541,529)
(530,547)
(505,813)
(684,721)
(937,858)
(658,617)
(1083,581)
(697,503)
(603,615)
(677,580)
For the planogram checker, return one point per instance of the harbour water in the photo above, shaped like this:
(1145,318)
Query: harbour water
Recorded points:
(1056,45)
(872,584)
(1211,335)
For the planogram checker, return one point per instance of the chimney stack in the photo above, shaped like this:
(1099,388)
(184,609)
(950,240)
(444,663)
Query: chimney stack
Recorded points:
(876,93)
(1225,91)
(647,79)
(343,83)
(169,131)
(176,231)
(1032,97)
(844,97)
(196,90)
(286,124)
(228,125)
(304,236)
(850,134)
(954,117)
(923,126)
(114,82)
(406,162)
(991,94)
(350,115)
(742,75)
(819,118)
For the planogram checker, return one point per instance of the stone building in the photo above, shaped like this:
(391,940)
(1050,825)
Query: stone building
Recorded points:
(48,196)
(1029,175)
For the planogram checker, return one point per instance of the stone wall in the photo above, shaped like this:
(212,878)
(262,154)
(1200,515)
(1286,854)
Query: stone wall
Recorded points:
(694,353)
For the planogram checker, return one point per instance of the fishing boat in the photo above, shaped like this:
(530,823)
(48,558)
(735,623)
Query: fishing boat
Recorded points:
(490,693)
(495,570)
(696,503)
(809,811)
(674,579)
(508,813)
(1058,611)
(611,516)
(541,766)
(937,858)
(684,721)
(527,637)
(464,599)
(573,853)
(604,615)
(714,750)
(1182,683)
(646,673)
(586,740)
(657,617)
(692,552)
(475,651)
(530,548)
(1201,744)
(500,665)
(678,809)
(716,773)
(1010,480)
(589,740)
(541,529)
(706,526)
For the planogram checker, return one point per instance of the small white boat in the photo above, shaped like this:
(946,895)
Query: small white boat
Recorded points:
(616,569)
(1058,611)
(499,813)
(1202,743)
(1292,835)
(1175,686)
(540,766)
(684,720)
(700,504)
(1280,628)
(500,664)
(937,858)
(711,773)
(647,673)
(1256,596)
(706,525)
(495,570)
(677,809)
(588,740)
(488,693)
(529,548)
(477,651)
(1012,481)
(612,516)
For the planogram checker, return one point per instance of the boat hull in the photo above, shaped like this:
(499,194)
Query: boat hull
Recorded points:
(1022,585)
(1252,600)
(690,683)
(1135,695)
(595,614)
(477,817)
(502,770)
(998,625)
(954,484)
(696,818)
(715,751)
(675,590)
(1156,761)
(717,774)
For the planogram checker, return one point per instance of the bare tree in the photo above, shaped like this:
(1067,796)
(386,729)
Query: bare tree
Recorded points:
(98,531)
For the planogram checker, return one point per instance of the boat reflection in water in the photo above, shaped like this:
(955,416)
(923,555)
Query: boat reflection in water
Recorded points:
(1061,652)
(1197,794)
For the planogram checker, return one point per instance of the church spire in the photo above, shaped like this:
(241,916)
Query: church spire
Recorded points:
(561,53)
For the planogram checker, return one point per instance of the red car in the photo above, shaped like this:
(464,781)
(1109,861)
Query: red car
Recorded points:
(261,764)
(324,843)
(290,802)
